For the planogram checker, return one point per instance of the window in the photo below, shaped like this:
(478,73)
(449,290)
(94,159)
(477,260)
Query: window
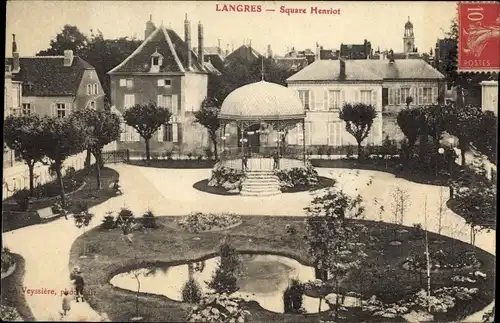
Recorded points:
(304,98)
(91,105)
(385,96)
(60,110)
(427,95)
(129,101)
(165,83)
(96,89)
(366,96)
(168,102)
(171,132)
(156,61)
(26,109)
(89,89)
(129,133)
(334,97)
(404,94)
(335,133)
(126,82)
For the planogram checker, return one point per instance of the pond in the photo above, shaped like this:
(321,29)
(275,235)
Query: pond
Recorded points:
(263,279)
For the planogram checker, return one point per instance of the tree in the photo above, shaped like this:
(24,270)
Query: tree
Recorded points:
(103,127)
(410,121)
(62,138)
(486,137)
(208,116)
(358,119)
(23,134)
(435,122)
(224,279)
(463,122)
(70,38)
(333,243)
(146,119)
(400,204)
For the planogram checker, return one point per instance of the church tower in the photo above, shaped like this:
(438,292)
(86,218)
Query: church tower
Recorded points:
(409,38)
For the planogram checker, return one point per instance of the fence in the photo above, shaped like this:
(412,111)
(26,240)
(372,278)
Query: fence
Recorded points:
(17,177)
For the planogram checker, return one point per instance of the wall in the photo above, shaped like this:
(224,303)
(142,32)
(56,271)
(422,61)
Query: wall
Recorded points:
(319,117)
(82,99)
(43,105)
(190,89)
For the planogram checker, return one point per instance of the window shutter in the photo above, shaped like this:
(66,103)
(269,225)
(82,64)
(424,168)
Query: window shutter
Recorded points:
(53,108)
(339,133)
(175,132)
(356,96)
(412,94)
(68,107)
(160,133)
(308,133)
(132,100)
(420,96)
(159,100)
(123,82)
(330,133)
(325,100)
(434,95)
(311,100)
(398,96)
(374,99)
(161,82)
(175,105)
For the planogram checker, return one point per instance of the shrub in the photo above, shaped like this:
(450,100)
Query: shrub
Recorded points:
(22,198)
(191,292)
(149,220)
(226,177)
(108,222)
(169,154)
(292,296)
(209,153)
(298,177)
(10,314)
(224,279)
(7,259)
(290,229)
(418,231)
(349,151)
(199,222)
(125,216)
(190,154)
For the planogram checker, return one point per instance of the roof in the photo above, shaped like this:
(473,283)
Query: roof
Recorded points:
(329,70)
(211,69)
(214,50)
(173,49)
(47,75)
(245,52)
(367,70)
(402,69)
(262,100)
(291,62)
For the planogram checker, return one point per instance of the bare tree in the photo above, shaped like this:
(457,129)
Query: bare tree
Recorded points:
(400,204)
(440,210)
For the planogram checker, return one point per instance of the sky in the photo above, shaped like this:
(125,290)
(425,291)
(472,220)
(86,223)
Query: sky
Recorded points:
(35,23)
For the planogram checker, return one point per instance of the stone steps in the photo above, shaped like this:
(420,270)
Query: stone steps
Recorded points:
(260,183)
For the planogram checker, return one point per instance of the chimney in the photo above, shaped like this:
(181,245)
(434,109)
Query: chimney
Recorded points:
(317,51)
(269,51)
(342,69)
(150,27)
(219,51)
(200,44)
(16,65)
(391,56)
(68,57)
(187,39)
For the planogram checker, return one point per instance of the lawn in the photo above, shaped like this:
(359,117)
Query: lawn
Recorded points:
(13,218)
(382,274)
(12,293)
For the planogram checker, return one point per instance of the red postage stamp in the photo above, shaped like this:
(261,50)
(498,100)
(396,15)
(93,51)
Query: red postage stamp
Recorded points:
(478,37)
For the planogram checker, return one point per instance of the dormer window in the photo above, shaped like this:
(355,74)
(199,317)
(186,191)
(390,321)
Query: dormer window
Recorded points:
(156,61)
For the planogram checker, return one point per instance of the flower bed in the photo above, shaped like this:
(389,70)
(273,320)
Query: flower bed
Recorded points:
(201,222)
(297,178)
(227,178)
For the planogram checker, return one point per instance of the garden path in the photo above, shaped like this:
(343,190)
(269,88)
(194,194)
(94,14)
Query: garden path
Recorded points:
(46,247)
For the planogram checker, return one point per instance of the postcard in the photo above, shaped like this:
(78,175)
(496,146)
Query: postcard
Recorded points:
(250,161)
